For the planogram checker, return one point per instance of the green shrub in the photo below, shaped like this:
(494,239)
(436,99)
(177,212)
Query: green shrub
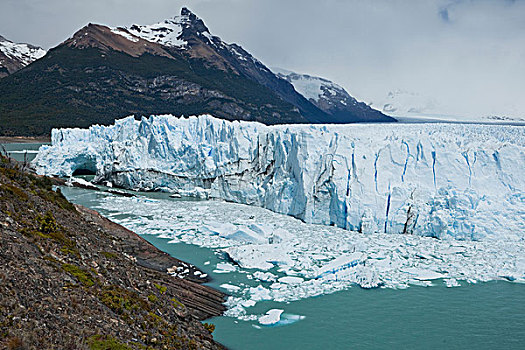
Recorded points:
(210,327)
(82,276)
(109,255)
(162,289)
(121,300)
(47,223)
(176,303)
(14,191)
(99,342)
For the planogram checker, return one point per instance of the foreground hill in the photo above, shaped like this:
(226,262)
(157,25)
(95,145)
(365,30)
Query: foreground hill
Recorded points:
(72,279)
(175,66)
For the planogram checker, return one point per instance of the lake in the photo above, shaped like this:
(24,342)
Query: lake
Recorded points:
(487,315)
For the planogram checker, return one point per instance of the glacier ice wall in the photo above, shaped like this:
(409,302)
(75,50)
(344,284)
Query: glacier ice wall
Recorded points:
(463,181)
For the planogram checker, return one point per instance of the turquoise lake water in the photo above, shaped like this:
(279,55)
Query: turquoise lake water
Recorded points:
(21,151)
(474,316)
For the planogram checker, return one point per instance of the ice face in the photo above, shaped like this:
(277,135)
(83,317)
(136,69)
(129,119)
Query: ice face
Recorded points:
(439,180)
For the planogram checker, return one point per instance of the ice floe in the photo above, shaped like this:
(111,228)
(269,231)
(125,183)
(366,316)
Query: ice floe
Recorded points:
(272,316)
(309,260)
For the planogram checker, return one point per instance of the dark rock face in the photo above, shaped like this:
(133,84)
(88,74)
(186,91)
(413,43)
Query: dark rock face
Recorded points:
(72,279)
(195,23)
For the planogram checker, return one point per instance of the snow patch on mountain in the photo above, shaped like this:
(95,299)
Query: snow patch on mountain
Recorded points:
(314,88)
(439,180)
(125,34)
(166,33)
(24,53)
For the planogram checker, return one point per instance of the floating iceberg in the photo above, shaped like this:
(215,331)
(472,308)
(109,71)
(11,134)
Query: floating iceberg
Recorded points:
(272,316)
(308,260)
(441,180)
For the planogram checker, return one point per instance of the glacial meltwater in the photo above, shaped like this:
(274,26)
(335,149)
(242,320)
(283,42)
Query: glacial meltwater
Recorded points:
(434,294)
(482,315)
(21,151)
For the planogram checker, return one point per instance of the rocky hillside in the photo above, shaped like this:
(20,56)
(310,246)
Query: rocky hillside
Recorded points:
(71,279)
(332,99)
(14,57)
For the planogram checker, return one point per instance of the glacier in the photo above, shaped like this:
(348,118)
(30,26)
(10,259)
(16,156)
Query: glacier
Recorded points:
(461,181)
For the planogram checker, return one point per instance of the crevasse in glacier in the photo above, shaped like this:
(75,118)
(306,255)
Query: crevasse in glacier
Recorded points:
(463,181)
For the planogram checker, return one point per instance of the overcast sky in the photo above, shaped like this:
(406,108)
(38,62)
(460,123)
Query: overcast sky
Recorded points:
(469,55)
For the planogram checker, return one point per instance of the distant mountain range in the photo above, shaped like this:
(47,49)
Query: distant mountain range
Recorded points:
(175,66)
(15,56)
(329,97)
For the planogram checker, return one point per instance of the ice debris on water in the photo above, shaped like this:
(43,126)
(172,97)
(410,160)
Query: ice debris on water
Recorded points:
(272,317)
(463,184)
(327,259)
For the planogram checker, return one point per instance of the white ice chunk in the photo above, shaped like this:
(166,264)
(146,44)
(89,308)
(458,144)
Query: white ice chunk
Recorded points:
(265,276)
(272,316)
(224,268)
(339,264)
(259,256)
(423,274)
(291,280)
(230,287)
(259,293)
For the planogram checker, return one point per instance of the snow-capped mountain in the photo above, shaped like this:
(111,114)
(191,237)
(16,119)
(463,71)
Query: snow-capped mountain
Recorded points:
(189,34)
(14,56)
(329,96)
(316,89)
(175,66)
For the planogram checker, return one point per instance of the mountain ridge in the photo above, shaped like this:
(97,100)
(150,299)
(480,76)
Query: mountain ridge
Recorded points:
(172,67)
(331,97)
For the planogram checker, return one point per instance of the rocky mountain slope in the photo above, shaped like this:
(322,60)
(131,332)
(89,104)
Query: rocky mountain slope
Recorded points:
(175,66)
(14,57)
(331,98)
(71,279)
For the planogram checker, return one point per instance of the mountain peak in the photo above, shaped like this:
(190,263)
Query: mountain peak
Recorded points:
(192,21)
(331,98)
(186,12)
(173,31)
